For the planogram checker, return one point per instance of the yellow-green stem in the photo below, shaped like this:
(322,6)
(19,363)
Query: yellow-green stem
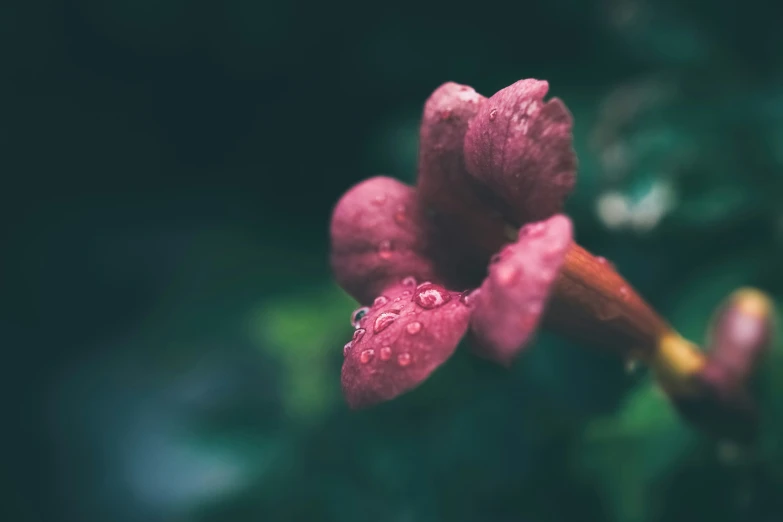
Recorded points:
(592,303)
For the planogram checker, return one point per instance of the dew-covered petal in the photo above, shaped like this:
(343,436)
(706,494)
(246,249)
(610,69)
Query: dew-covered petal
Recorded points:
(521,147)
(378,238)
(401,341)
(471,229)
(509,304)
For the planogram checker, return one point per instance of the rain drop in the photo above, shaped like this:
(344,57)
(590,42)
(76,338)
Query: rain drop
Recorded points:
(624,292)
(527,322)
(358,334)
(493,114)
(404,359)
(506,274)
(505,252)
(445,114)
(379,199)
(468,297)
(431,296)
(357,315)
(347,349)
(383,321)
(605,262)
(366,356)
(399,216)
(413,328)
(385,249)
(534,229)
(385,353)
(409,281)
(380,301)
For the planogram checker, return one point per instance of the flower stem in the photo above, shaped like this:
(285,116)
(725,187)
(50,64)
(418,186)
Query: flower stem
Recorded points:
(592,303)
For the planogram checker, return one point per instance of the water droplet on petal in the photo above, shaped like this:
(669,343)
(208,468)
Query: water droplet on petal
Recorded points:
(533,229)
(379,199)
(366,356)
(380,301)
(468,297)
(493,114)
(507,274)
(409,281)
(358,334)
(347,349)
(404,359)
(400,216)
(383,321)
(604,261)
(527,321)
(431,296)
(385,353)
(413,328)
(357,315)
(385,249)
(624,292)
(505,252)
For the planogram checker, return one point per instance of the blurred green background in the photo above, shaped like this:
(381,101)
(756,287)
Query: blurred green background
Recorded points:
(172,334)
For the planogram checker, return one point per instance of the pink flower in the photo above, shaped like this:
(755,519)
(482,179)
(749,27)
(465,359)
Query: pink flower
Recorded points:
(423,258)
(480,247)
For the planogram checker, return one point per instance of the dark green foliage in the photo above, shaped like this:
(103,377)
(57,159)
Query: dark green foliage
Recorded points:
(176,338)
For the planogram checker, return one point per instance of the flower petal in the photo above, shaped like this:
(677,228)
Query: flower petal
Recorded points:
(378,238)
(520,147)
(468,222)
(409,331)
(512,298)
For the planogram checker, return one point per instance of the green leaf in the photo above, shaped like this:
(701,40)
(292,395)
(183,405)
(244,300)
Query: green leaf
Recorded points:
(303,332)
(624,454)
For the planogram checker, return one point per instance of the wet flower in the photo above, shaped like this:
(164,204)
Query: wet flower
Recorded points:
(483,165)
(479,247)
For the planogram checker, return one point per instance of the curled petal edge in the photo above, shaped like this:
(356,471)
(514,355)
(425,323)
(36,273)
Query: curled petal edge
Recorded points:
(513,297)
(406,335)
